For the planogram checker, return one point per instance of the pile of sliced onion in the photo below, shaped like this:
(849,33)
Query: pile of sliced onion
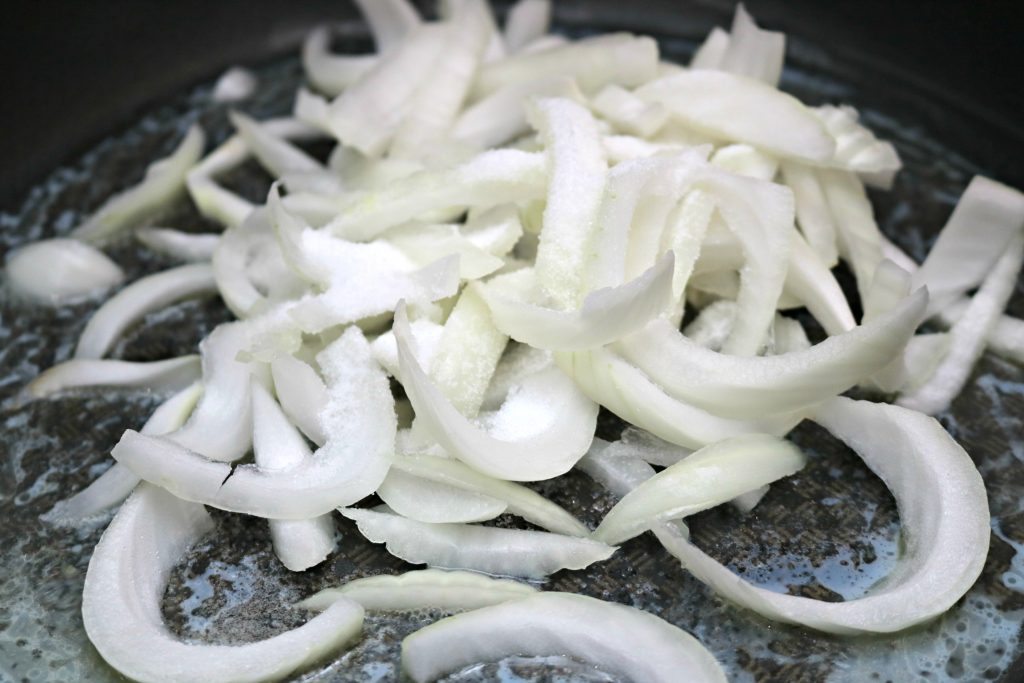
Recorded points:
(514,226)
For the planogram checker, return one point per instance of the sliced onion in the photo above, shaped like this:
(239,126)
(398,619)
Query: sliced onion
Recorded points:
(986,219)
(752,51)
(710,477)
(527,21)
(125,584)
(145,295)
(518,499)
(493,550)
(117,483)
(164,180)
(329,73)
(423,244)
(626,391)
(741,109)
(302,394)
(967,337)
(576,179)
(390,21)
(737,387)
(943,512)
(159,376)
(467,353)
(625,641)
(489,179)
(277,445)
(628,112)
(501,116)
(605,316)
(275,153)
(57,271)
(359,422)
(812,211)
(538,437)
(368,113)
(436,104)
(423,500)
(857,149)
(1005,339)
(618,58)
(183,246)
(860,240)
(234,85)
(423,589)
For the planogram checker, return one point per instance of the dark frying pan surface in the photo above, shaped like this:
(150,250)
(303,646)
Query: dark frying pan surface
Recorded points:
(829,532)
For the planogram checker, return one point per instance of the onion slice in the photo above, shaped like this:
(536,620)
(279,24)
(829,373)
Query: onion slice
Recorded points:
(737,387)
(626,641)
(184,246)
(943,511)
(359,421)
(160,376)
(433,502)
(555,422)
(626,391)
(423,589)
(493,550)
(710,477)
(605,316)
(164,180)
(125,584)
(57,271)
(131,304)
(527,21)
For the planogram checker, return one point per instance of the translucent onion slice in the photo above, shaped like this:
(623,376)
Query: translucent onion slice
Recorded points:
(164,180)
(183,246)
(737,387)
(329,73)
(367,114)
(425,243)
(159,376)
(622,640)
(593,63)
(117,483)
(145,295)
(626,391)
(967,337)
(741,109)
(943,512)
(518,499)
(605,316)
(1005,339)
(57,271)
(492,178)
(857,148)
(125,584)
(527,21)
(423,589)
(710,477)
(636,443)
(426,336)
(360,424)
(492,550)
(538,434)
(986,218)
(277,445)
(423,500)
(302,394)
(576,179)
(710,53)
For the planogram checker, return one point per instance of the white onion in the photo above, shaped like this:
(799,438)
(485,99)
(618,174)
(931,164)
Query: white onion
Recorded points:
(426,588)
(628,642)
(125,584)
(183,246)
(56,271)
(159,376)
(493,550)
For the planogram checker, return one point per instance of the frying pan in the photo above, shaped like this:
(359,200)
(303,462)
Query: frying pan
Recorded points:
(96,92)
